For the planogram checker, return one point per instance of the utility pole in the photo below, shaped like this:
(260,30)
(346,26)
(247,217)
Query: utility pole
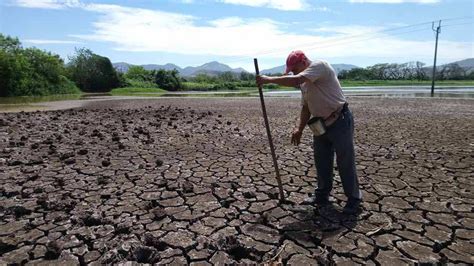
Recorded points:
(438,30)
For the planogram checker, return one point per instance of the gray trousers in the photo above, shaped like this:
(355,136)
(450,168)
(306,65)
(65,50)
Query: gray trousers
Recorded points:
(339,139)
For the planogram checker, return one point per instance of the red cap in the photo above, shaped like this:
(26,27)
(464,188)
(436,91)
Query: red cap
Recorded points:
(294,58)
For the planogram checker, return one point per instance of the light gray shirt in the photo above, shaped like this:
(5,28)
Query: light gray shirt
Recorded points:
(323,95)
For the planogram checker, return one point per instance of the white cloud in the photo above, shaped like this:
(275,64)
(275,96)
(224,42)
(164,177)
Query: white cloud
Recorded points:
(45,41)
(396,1)
(136,29)
(323,9)
(348,30)
(47,4)
(144,30)
(277,4)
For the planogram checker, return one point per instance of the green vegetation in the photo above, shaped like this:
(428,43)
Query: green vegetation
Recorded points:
(31,71)
(131,83)
(135,90)
(36,99)
(407,72)
(34,72)
(92,72)
(139,77)
(225,81)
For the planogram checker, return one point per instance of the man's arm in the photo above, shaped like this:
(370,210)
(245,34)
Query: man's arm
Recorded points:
(304,117)
(288,81)
(298,131)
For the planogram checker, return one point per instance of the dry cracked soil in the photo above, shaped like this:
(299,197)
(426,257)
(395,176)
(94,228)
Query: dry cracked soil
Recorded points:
(191,181)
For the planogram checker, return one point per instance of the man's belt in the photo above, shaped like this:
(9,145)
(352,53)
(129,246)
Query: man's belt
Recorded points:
(335,115)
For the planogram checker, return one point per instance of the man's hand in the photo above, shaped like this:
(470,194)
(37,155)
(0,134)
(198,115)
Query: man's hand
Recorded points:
(262,79)
(296,136)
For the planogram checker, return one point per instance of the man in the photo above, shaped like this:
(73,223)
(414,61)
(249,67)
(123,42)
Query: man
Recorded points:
(322,97)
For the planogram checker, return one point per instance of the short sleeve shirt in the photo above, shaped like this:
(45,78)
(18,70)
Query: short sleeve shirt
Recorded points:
(323,95)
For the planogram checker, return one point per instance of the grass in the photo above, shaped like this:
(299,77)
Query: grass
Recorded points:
(135,91)
(37,99)
(197,86)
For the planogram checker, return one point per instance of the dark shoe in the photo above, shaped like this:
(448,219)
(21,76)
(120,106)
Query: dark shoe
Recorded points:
(352,206)
(316,200)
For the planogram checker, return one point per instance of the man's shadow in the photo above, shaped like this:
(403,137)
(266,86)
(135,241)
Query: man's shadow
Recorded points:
(317,223)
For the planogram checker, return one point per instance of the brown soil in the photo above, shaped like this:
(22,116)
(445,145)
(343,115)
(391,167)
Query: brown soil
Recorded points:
(191,181)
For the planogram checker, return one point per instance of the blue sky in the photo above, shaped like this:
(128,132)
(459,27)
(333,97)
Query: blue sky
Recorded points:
(193,32)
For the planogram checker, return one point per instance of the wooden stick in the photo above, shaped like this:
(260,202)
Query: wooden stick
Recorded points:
(269,135)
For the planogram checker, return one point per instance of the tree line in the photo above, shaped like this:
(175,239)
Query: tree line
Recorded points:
(407,71)
(31,71)
(169,80)
(138,76)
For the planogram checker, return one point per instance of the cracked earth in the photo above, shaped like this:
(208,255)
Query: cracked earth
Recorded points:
(191,181)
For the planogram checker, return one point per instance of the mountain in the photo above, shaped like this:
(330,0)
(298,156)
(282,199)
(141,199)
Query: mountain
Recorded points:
(165,67)
(340,67)
(212,68)
(121,66)
(466,64)
(275,70)
(280,69)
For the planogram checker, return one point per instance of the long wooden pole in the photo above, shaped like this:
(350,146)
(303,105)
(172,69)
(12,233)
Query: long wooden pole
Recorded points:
(269,135)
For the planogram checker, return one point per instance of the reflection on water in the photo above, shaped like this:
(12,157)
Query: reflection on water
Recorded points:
(416,95)
(38,99)
(467,92)
(52,98)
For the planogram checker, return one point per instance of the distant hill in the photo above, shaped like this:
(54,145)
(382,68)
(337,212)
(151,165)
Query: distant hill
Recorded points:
(212,68)
(165,67)
(466,64)
(340,67)
(280,69)
(121,66)
(274,70)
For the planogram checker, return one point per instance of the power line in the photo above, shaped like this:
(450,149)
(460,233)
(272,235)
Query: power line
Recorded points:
(344,39)
(340,42)
(449,25)
(334,39)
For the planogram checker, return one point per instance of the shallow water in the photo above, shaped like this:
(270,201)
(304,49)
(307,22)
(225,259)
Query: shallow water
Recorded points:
(58,102)
(399,92)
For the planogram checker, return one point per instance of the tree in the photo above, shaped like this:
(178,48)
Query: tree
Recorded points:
(226,76)
(204,78)
(139,73)
(452,71)
(30,71)
(168,80)
(246,76)
(420,73)
(9,44)
(356,74)
(92,72)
